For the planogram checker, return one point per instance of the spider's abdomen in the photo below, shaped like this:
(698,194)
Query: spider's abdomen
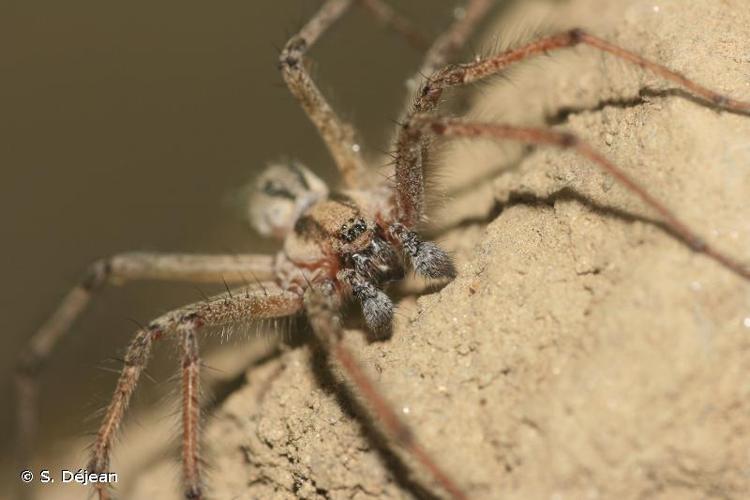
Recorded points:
(278,197)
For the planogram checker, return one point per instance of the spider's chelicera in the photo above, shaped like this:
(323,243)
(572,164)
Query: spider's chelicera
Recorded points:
(336,246)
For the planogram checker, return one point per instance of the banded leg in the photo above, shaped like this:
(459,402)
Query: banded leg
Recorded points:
(322,311)
(117,270)
(246,304)
(409,162)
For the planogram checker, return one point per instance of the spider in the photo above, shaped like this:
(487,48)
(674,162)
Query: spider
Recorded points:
(338,246)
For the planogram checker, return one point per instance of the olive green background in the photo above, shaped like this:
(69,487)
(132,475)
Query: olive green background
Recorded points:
(125,126)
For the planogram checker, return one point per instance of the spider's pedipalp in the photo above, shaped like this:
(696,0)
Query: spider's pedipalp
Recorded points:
(427,258)
(431,261)
(377,307)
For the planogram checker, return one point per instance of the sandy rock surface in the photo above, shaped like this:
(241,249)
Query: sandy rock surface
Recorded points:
(582,352)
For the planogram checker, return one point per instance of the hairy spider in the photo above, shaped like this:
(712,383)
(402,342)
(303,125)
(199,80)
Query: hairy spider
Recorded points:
(341,245)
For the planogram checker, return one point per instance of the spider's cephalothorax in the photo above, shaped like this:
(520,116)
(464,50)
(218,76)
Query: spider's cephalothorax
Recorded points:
(348,238)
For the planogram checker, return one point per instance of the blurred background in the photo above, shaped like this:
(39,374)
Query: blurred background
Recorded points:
(127,127)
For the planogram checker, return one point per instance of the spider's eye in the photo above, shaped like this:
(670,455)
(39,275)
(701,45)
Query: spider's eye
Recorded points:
(351,231)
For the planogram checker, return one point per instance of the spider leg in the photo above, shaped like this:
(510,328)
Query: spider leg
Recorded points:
(411,151)
(153,438)
(410,184)
(340,137)
(399,24)
(449,127)
(322,310)
(250,303)
(412,143)
(454,38)
(115,270)
(191,414)
(467,73)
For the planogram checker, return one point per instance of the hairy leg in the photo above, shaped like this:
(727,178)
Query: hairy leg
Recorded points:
(467,73)
(412,139)
(447,44)
(322,310)
(440,52)
(246,304)
(448,127)
(340,137)
(409,162)
(191,414)
(152,441)
(116,270)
